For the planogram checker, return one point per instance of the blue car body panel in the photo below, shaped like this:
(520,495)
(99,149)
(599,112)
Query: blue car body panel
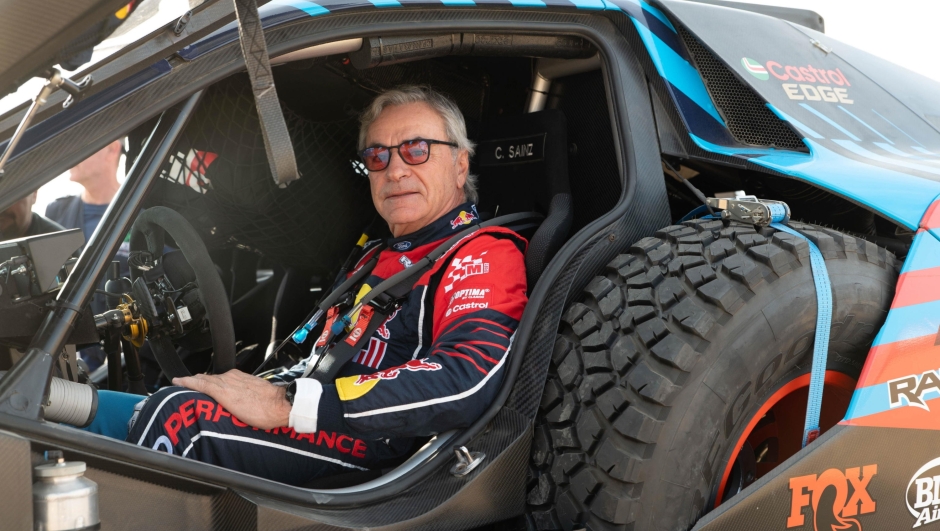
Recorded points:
(865,143)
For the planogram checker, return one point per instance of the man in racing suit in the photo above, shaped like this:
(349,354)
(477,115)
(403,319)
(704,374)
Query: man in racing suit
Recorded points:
(434,364)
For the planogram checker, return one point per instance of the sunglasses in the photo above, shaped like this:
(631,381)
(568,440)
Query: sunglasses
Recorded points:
(413,152)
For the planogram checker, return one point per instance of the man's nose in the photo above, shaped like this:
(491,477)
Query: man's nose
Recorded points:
(397,169)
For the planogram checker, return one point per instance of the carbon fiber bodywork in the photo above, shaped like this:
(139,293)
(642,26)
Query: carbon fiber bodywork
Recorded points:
(178,499)
(16,478)
(846,459)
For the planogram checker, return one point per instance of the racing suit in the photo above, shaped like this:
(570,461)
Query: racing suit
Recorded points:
(435,364)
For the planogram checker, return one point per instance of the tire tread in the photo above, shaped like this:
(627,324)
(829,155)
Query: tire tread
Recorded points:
(627,346)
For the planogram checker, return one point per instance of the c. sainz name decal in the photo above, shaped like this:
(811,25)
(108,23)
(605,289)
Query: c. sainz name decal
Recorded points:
(807,83)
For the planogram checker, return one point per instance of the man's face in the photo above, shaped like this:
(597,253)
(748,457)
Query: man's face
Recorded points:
(102,165)
(411,197)
(14,221)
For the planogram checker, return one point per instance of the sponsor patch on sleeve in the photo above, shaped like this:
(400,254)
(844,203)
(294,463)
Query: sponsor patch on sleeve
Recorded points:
(468,299)
(468,266)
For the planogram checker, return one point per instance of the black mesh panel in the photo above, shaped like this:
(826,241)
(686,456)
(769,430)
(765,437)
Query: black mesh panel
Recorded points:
(747,116)
(219,179)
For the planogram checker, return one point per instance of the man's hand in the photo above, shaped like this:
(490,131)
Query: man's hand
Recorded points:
(254,401)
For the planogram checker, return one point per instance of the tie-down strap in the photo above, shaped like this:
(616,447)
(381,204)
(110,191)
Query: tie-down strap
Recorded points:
(821,344)
(761,212)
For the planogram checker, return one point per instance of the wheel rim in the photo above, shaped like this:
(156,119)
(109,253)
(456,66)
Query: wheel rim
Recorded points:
(775,432)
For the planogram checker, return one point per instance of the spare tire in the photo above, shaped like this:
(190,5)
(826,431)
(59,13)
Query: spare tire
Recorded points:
(670,354)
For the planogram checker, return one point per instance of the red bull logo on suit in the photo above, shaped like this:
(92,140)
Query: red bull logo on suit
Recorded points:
(464,218)
(393,372)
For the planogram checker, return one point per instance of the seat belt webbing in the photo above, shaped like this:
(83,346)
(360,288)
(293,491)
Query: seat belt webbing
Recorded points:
(328,363)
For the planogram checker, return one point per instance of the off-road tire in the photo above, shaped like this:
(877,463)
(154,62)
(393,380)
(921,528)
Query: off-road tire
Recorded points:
(671,349)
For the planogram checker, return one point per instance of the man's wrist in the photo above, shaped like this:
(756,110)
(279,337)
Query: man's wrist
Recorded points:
(282,406)
(290,391)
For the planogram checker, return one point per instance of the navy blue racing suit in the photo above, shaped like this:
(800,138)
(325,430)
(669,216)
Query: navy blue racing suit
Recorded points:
(435,364)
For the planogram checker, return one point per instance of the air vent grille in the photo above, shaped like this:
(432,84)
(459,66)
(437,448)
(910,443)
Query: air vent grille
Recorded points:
(748,118)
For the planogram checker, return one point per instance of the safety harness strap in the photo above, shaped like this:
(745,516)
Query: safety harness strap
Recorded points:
(277,143)
(382,301)
(370,318)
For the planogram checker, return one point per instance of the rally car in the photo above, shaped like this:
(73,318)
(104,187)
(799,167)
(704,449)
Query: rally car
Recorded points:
(715,188)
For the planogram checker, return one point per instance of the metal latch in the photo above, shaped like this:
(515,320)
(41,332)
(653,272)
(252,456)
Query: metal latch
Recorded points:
(749,209)
(466,461)
(54,80)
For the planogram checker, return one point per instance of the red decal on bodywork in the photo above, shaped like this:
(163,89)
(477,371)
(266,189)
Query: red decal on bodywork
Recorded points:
(931,219)
(899,359)
(916,287)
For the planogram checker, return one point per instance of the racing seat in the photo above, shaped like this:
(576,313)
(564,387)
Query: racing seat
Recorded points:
(291,305)
(522,166)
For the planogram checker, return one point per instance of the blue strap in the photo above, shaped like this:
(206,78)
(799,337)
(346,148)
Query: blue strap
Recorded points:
(701,209)
(823,323)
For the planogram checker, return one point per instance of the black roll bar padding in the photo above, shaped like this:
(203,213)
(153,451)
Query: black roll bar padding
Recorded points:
(135,376)
(25,387)
(148,234)
(112,349)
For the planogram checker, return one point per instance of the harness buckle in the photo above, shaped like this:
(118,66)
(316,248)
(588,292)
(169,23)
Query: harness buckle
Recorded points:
(749,209)
(385,303)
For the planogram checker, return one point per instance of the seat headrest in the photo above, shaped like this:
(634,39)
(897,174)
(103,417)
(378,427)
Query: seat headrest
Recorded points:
(522,162)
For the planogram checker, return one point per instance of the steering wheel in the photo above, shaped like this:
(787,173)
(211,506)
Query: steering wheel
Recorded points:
(154,293)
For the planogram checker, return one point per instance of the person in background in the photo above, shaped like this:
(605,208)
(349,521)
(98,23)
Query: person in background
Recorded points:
(98,176)
(19,221)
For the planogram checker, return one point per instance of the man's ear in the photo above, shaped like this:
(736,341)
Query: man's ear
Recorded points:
(463,167)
